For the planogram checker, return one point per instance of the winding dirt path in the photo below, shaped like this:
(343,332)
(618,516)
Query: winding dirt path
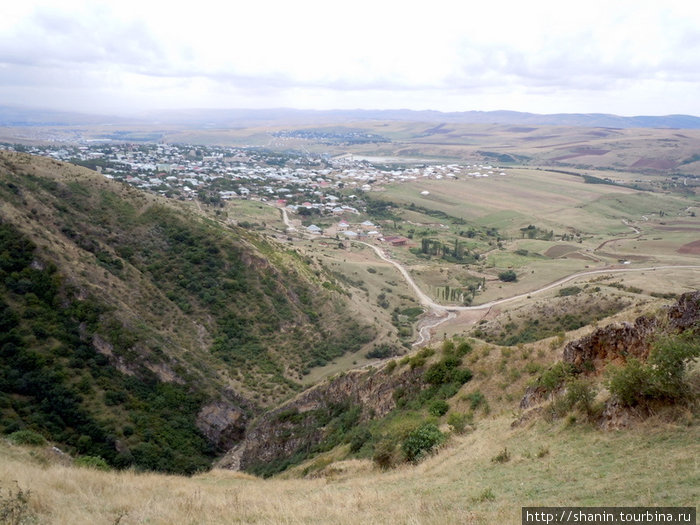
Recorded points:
(445,313)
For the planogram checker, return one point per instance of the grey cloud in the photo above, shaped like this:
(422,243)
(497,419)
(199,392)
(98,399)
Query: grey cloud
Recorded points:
(94,37)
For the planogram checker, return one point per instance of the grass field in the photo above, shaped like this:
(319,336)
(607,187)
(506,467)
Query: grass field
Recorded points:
(605,225)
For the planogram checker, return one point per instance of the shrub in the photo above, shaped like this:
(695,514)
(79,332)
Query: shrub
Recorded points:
(662,378)
(446,371)
(502,457)
(94,462)
(486,495)
(669,357)
(463,349)
(569,290)
(580,393)
(27,437)
(448,346)
(438,408)
(476,399)
(382,351)
(509,276)
(631,383)
(385,454)
(358,439)
(421,441)
(552,378)
(458,421)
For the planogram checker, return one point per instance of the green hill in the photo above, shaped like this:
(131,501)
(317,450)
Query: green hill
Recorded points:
(138,331)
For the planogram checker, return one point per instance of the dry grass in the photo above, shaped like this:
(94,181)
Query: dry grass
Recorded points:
(459,485)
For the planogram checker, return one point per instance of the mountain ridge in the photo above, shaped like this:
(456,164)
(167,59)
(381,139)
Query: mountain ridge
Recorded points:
(16,116)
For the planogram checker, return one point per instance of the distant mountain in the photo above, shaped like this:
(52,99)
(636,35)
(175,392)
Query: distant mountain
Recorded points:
(221,118)
(250,117)
(15,116)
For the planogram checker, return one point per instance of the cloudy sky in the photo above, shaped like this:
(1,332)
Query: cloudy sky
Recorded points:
(615,56)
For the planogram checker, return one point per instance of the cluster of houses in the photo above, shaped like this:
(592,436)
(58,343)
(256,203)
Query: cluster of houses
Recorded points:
(214,174)
(363,231)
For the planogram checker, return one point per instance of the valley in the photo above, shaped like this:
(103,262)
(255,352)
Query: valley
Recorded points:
(356,312)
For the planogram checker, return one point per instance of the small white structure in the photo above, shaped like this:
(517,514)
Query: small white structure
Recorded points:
(425,192)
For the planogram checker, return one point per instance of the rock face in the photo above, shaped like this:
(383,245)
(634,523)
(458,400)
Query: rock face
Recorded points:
(294,426)
(686,312)
(610,344)
(617,343)
(223,423)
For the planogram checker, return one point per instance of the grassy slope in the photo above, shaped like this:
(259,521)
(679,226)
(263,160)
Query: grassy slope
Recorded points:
(127,303)
(550,464)
(650,465)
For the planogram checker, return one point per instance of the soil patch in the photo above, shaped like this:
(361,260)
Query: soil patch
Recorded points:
(560,250)
(692,248)
(659,164)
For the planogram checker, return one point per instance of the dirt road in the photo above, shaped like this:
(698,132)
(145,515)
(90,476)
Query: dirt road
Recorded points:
(445,313)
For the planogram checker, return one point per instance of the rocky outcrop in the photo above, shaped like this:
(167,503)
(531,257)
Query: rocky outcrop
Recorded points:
(298,424)
(611,343)
(222,423)
(617,343)
(686,312)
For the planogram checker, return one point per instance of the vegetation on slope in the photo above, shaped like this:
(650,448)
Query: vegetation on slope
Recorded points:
(123,316)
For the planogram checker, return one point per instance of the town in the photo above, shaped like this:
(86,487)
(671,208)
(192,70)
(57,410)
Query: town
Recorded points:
(308,184)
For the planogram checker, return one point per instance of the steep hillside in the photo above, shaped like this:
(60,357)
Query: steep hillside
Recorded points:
(408,407)
(138,332)
(483,469)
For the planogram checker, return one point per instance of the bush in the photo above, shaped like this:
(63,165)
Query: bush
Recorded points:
(509,276)
(580,393)
(476,399)
(385,454)
(662,378)
(421,441)
(458,421)
(358,439)
(448,346)
(27,437)
(669,358)
(552,378)
(569,290)
(438,408)
(382,351)
(631,383)
(94,462)
(502,457)
(463,349)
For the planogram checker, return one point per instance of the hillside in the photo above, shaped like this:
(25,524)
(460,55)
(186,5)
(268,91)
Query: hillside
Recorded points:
(140,332)
(613,376)
(501,460)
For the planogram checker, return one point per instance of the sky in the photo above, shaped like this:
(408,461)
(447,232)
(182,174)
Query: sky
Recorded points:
(615,56)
